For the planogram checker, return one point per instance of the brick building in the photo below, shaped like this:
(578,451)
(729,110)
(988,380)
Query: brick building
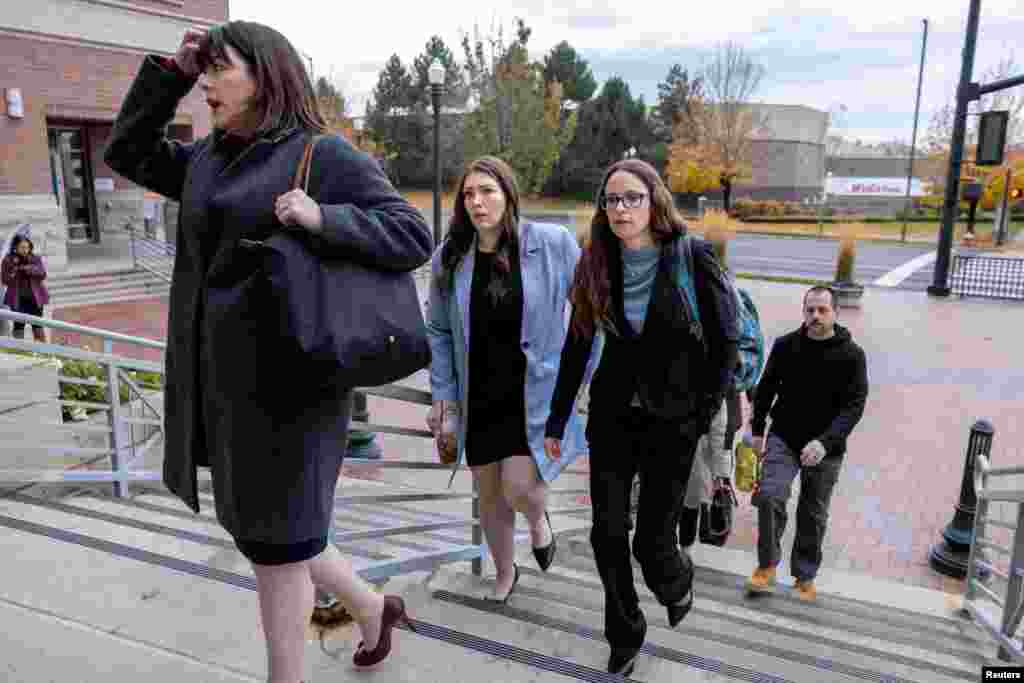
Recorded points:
(69,64)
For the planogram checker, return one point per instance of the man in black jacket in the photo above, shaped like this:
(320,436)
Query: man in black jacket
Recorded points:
(817,378)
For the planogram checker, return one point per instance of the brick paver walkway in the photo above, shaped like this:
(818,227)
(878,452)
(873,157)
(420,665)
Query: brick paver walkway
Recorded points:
(935,367)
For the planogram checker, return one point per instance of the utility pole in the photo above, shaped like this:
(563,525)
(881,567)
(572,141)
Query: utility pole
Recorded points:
(965,94)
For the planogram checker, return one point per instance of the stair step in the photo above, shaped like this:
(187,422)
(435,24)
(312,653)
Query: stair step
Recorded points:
(962,642)
(747,627)
(108,287)
(57,282)
(882,619)
(119,618)
(112,289)
(669,654)
(96,300)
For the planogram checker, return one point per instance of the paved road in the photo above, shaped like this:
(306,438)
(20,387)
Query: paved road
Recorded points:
(814,258)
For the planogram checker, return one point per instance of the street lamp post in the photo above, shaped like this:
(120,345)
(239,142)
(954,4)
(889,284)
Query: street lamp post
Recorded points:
(821,202)
(435,75)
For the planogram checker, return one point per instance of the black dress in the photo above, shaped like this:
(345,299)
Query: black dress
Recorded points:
(496,419)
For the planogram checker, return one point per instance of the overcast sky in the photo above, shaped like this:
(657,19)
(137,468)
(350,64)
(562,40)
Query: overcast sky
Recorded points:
(861,54)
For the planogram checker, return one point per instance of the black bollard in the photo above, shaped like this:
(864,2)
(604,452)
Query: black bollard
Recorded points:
(949,556)
(361,443)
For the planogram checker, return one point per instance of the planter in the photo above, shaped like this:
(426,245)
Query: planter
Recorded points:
(848,294)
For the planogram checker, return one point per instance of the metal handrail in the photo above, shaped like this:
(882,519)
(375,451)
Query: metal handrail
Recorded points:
(1011,605)
(61,326)
(152,255)
(122,454)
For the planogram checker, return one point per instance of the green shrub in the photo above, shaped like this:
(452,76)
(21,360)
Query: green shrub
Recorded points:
(83,369)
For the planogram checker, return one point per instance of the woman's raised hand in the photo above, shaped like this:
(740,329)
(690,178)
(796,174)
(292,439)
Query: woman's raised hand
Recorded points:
(188,52)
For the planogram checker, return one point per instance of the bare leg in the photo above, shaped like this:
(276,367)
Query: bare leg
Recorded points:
(527,494)
(498,521)
(286,602)
(333,572)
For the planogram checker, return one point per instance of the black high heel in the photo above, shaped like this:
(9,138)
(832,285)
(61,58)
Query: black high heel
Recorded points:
(622,660)
(546,555)
(393,613)
(512,588)
(679,610)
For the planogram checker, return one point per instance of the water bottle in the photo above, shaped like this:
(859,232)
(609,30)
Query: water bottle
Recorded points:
(746,463)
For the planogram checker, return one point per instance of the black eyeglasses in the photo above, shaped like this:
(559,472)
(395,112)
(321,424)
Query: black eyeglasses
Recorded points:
(631,200)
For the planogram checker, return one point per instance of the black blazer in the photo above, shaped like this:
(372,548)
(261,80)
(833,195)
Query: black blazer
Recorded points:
(666,364)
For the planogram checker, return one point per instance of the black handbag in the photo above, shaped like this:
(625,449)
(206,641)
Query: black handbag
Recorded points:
(362,324)
(716,517)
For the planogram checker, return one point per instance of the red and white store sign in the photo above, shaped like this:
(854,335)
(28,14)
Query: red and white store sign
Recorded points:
(874,187)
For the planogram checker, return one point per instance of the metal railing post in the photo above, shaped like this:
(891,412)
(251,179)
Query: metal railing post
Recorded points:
(131,243)
(478,534)
(949,557)
(980,517)
(116,461)
(1012,604)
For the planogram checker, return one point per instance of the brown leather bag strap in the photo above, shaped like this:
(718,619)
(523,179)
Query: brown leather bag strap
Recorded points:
(301,179)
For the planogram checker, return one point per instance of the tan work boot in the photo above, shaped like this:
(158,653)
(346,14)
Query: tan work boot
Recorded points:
(762,580)
(805,590)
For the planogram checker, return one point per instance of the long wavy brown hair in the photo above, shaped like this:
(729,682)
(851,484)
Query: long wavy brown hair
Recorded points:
(591,290)
(461,229)
(284,93)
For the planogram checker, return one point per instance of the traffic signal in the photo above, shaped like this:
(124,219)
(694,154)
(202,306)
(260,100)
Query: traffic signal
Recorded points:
(1016,193)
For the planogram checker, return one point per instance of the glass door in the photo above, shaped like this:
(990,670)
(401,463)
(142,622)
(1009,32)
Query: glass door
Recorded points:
(72,173)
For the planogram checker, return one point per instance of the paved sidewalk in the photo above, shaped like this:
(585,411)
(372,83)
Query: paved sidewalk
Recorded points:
(935,367)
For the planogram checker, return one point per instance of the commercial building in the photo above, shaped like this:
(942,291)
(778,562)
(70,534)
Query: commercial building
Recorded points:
(65,67)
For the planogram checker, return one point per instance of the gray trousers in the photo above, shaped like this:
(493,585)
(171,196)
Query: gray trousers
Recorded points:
(779,468)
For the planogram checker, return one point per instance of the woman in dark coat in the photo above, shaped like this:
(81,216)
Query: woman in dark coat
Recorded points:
(240,398)
(22,273)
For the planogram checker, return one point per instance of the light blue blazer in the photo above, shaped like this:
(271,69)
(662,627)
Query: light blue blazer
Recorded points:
(548,255)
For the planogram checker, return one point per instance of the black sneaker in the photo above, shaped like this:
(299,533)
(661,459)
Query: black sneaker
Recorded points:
(622,660)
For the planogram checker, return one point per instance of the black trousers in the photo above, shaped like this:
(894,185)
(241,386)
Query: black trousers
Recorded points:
(662,453)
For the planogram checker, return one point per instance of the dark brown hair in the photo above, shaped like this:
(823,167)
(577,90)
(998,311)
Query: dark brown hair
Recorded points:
(461,229)
(823,289)
(284,94)
(16,242)
(591,290)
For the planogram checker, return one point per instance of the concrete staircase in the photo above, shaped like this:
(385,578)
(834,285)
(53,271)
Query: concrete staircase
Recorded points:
(101,589)
(124,284)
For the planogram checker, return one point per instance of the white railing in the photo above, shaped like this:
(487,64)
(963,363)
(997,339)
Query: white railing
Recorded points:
(1009,603)
(117,377)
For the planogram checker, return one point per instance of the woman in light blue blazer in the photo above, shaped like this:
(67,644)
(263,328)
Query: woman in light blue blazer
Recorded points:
(497,321)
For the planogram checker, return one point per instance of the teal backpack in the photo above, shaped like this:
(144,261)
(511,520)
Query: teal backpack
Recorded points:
(751,340)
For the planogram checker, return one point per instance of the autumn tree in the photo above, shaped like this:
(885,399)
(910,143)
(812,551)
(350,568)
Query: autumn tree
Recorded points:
(725,123)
